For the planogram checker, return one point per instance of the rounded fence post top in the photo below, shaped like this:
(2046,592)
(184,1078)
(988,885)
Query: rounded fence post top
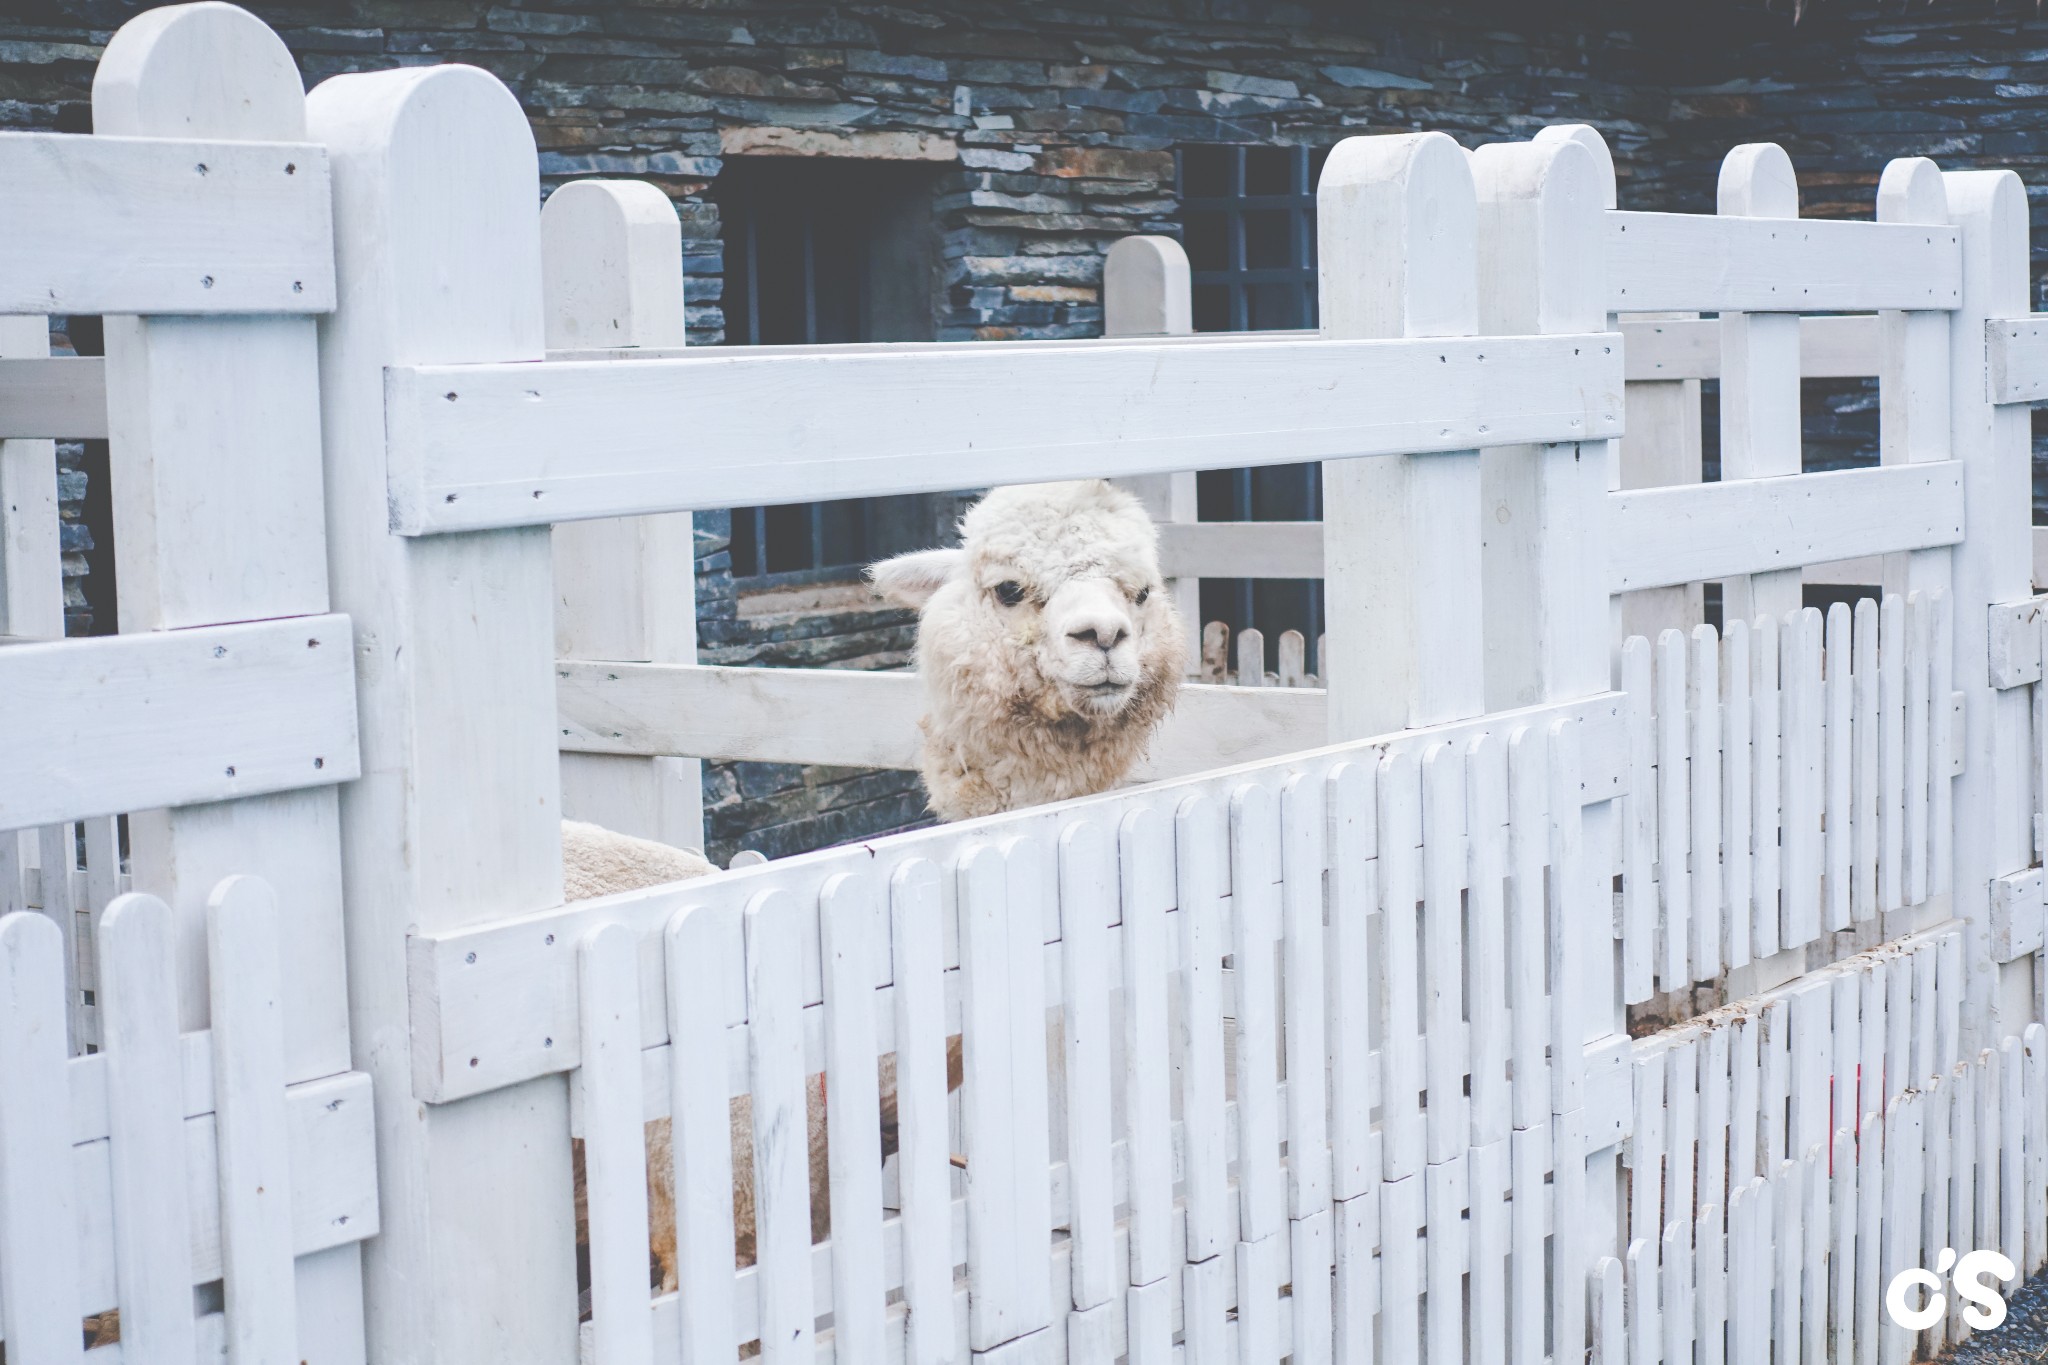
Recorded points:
(1911,191)
(1432,159)
(1587,136)
(632,203)
(1146,288)
(206,70)
(1144,246)
(1757,181)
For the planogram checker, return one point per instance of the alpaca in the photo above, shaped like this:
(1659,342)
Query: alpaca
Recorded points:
(1048,649)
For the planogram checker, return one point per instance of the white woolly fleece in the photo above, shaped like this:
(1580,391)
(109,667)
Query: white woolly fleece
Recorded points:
(1002,728)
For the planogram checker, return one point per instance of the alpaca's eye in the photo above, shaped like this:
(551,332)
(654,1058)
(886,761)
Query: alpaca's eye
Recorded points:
(1143,593)
(1008,593)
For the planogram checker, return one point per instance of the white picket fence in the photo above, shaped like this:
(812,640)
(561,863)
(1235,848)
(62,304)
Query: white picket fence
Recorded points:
(1316,1048)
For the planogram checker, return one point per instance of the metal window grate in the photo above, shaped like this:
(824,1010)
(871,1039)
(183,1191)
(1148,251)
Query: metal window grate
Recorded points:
(1248,221)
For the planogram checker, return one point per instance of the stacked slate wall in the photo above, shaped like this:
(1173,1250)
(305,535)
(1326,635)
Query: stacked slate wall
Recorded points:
(1049,132)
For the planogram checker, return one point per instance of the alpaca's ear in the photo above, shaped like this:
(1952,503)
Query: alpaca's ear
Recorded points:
(911,579)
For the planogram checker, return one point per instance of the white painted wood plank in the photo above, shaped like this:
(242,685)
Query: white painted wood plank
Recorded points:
(146,225)
(1870,1209)
(1356,1283)
(1891,754)
(152,1230)
(1486,1325)
(1401,1269)
(263,707)
(2016,353)
(1662,536)
(1774,1083)
(1674,822)
(1703,699)
(247,1004)
(1528,934)
(614,1151)
(2013,1215)
(1679,1305)
(1681,1089)
(1838,819)
(53,396)
(1803,778)
(1676,262)
(1151,954)
(1311,1260)
(1609,1313)
(1668,349)
(1646,1147)
(923,1162)
(1962,1194)
(1990,1136)
(1713,1119)
(1843,1325)
(791,715)
(1202,849)
(1640,911)
(1767,803)
(39,1292)
(1352,822)
(1222,549)
(1526,1306)
(1487,995)
(1570,1235)
(1864,826)
(2034,1144)
(1397,973)
(1645,1333)
(1710,1296)
(1443,951)
(782,1220)
(1088,881)
(852,944)
(1738,795)
(701,1139)
(1919,720)
(1311,1059)
(989,1129)
(1937,1172)
(902,421)
(1788,1251)
(1942,747)
(1444,1259)
(1749,1271)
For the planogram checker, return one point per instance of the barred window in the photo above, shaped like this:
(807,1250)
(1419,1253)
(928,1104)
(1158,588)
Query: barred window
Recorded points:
(1248,221)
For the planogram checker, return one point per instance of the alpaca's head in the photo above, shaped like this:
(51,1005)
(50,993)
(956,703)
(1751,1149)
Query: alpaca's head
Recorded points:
(1051,608)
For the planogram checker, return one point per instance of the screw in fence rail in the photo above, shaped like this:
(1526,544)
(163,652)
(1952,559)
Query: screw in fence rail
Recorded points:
(625,589)
(435,191)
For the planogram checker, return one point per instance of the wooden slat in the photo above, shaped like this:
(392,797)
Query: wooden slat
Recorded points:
(59,396)
(153,1212)
(38,1207)
(852,940)
(1088,884)
(1674,828)
(614,1152)
(529,444)
(1849,347)
(2016,350)
(1738,796)
(134,722)
(1680,262)
(146,225)
(924,1175)
(782,1219)
(851,718)
(1639,909)
(1239,549)
(247,1002)
(1664,536)
(701,1138)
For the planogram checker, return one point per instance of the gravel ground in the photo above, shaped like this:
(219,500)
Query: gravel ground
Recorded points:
(2022,1339)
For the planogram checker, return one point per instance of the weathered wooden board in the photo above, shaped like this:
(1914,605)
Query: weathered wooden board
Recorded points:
(154,225)
(1847,347)
(54,396)
(477,446)
(1688,262)
(2017,350)
(134,722)
(1660,536)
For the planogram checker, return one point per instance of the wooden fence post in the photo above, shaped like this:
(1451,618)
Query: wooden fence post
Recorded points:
(1146,292)
(625,589)
(1993,797)
(455,820)
(216,479)
(31,562)
(1760,427)
(1542,269)
(1396,228)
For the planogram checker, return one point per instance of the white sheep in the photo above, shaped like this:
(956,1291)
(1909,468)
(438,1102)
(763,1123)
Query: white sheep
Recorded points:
(1049,650)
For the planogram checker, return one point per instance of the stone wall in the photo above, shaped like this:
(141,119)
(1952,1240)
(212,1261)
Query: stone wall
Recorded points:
(1049,132)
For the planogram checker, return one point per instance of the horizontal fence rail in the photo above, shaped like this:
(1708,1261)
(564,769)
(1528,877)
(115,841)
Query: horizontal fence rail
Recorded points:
(134,722)
(149,225)
(1850,347)
(1688,262)
(850,718)
(59,396)
(528,444)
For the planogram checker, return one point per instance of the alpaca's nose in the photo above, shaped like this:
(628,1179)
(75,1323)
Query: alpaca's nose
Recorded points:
(1105,635)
